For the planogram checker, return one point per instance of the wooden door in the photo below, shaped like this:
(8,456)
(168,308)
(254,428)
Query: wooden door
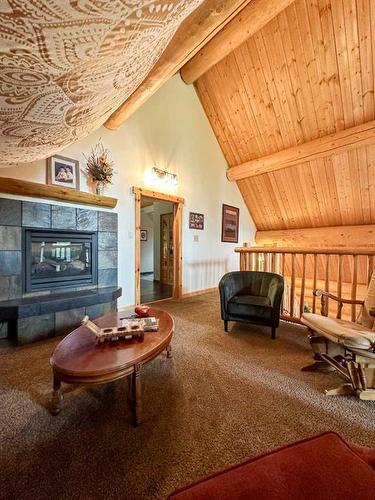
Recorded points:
(166,248)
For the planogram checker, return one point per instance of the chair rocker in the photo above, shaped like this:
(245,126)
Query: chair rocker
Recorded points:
(344,346)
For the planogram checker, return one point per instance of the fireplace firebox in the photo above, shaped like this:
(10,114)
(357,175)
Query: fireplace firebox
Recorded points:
(59,259)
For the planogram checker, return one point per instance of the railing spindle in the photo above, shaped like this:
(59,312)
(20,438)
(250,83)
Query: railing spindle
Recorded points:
(326,309)
(314,282)
(370,267)
(302,296)
(339,287)
(292,284)
(354,285)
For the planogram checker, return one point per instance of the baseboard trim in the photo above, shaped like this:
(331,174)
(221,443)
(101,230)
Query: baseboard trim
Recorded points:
(198,292)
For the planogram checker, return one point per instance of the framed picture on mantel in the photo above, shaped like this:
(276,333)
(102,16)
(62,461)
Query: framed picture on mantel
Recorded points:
(230,224)
(63,172)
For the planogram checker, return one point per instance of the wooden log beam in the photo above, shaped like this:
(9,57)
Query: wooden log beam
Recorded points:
(319,237)
(331,144)
(250,20)
(207,20)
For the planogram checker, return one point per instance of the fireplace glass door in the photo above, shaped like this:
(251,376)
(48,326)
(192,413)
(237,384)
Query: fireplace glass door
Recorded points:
(55,259)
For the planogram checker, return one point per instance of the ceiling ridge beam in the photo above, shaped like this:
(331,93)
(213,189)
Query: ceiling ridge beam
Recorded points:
(336,143)
(195,31)
(248,22)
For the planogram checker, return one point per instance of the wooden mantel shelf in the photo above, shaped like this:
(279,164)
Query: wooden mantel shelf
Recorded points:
(36,190)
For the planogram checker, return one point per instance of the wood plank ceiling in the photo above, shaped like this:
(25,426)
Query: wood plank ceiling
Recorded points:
(307,73)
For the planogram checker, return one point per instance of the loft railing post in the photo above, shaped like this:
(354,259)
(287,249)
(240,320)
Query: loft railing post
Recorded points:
(326,302)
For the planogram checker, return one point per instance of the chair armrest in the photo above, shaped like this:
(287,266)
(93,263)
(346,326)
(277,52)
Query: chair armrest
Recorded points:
(323,293)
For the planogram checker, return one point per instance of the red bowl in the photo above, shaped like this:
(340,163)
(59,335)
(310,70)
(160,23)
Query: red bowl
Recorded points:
(142,310)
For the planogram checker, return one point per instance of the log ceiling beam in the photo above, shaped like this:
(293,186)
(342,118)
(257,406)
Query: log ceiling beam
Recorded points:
(331,144)
(198,29)
(250,20)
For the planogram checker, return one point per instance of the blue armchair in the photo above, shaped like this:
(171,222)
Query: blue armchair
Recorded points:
(252,297)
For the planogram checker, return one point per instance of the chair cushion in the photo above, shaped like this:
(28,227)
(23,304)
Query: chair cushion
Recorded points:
(320,467)
(342,332)
(250,305)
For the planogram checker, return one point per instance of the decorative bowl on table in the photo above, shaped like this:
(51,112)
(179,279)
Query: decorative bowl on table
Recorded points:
(142,310)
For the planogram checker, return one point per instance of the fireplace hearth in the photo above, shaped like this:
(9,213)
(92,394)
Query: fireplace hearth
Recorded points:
(58,263)
(59,259)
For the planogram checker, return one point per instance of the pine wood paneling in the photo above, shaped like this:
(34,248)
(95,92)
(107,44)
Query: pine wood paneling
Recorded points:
(308,73)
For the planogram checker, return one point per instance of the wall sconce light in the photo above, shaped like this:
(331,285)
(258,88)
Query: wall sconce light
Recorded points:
(162,178)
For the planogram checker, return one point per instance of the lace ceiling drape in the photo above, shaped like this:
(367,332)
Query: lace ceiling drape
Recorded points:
(66,65)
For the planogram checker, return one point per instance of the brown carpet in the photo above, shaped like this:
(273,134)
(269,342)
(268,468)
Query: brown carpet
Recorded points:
(220,399)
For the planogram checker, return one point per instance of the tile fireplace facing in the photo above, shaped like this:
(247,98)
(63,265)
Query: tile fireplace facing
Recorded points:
(57,263)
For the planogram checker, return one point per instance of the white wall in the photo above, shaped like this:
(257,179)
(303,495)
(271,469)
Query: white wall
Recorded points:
(147,247)
(172,132)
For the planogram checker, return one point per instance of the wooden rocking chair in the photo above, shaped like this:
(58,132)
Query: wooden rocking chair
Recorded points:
(345,346)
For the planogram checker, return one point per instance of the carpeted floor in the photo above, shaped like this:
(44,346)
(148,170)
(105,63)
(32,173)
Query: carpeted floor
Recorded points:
(220,399)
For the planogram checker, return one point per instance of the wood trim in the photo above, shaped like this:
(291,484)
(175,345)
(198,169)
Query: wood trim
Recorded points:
(250,20)
(50,192)
(177,239)
(338,142)
(207,20)
(137,248)
(331,236)
(188,295)
(157,195)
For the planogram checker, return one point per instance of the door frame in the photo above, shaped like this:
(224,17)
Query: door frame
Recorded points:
(177,238)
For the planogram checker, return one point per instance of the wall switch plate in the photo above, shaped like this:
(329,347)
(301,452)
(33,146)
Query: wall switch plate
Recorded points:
(196,237)
(130,234)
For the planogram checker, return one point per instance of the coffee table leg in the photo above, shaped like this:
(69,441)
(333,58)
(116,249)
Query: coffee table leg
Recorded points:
(56,396)
(169,351)
(137,395)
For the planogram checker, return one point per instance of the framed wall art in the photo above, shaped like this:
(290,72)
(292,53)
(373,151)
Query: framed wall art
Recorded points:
(62,171)
(229,224)
(196,221)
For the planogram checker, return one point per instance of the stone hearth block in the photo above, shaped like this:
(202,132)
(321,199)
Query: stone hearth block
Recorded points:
(35,328)
(107,277)
(107,259)
(66,321)
(36,214)
(10,238)
(10,262)
(63,217)
(107,240)
(87,220)
(10,212)
(95,311)
(107,221)
(10,287)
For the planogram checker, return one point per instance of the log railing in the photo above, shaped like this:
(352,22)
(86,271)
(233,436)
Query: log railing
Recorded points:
(343,271)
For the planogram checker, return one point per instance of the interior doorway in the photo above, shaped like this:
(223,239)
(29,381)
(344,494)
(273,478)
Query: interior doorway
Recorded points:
(158,246)
(157,252)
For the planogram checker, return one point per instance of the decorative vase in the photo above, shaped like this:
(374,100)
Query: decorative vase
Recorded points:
(99,188)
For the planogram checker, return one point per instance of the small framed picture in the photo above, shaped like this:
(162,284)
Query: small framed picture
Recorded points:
(229,224)
(143,234)
(63,172)
(196,221)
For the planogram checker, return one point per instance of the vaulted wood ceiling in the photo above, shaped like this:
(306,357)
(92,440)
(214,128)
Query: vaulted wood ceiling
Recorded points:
(308,73)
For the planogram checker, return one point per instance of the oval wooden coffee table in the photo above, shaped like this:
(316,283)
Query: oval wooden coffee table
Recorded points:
(79,359)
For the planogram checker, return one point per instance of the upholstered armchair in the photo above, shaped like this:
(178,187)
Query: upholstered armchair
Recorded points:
(251,297)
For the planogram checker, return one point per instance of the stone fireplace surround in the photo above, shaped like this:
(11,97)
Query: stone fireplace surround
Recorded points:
(27,317)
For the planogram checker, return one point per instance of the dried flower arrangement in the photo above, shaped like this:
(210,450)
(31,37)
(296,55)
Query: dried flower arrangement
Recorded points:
(99,168)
